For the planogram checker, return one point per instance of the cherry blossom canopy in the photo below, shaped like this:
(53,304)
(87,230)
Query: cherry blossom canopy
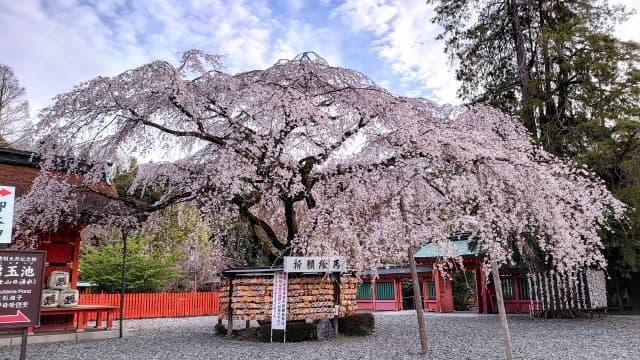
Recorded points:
(320,160)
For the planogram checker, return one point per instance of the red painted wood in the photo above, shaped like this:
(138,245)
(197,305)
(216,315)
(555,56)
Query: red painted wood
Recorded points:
(151,305)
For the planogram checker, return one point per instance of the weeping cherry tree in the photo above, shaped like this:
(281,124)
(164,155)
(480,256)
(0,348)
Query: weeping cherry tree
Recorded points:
(319,160)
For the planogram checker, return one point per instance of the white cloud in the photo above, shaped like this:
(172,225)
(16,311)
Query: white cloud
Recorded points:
(629,29)
(405,39)
(300,37)
(53,46)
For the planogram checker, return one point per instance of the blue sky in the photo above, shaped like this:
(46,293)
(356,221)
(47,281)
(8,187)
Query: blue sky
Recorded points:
(54,45)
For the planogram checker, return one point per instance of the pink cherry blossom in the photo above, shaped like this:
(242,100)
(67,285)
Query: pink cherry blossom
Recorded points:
(319,158)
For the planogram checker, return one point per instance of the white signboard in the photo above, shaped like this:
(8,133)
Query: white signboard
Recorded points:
(300,264)
(7,197)
(279,301)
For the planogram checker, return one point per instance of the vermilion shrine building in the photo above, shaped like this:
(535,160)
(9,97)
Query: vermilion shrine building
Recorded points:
(437,290)
(20,169)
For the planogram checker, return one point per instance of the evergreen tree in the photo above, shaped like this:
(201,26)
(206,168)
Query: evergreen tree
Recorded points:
(575,86)
(147,269)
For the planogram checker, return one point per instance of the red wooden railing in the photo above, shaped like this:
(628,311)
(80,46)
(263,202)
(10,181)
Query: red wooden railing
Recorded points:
(157,305)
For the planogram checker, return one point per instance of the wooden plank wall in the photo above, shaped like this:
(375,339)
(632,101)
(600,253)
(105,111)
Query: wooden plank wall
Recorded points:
(158,305)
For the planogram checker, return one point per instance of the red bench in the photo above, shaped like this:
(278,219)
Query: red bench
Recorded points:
(81,316)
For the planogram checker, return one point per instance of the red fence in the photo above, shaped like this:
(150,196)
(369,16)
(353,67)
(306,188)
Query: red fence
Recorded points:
(156,305)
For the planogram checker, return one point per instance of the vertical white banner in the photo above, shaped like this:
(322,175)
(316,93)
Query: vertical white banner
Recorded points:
(7,198)
(279,301)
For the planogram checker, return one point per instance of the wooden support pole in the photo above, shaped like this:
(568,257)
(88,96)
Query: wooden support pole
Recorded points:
(336,301)
(417,298)
(504,326)
(230,310)
(373,294)
(23,344)
(123,281)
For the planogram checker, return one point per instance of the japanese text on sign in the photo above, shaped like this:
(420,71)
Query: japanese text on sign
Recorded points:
(279,301)
(20,287)
(315,264)
(7,197)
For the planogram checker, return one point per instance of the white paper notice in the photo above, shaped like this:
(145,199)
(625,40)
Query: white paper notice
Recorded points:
(7,198)
(279,301)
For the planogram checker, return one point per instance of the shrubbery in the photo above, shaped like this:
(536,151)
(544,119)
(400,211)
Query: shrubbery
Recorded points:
(296,332)
(220,329)
(357,325)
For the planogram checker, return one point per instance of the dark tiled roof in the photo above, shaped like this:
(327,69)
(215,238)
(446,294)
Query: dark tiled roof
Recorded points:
(18,157)
(20,169)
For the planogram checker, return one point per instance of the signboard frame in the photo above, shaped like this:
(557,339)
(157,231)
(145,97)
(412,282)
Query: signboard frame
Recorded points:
(39,277)
(315,264)
(7,202)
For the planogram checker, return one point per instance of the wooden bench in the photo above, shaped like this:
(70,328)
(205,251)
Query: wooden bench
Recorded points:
(81,316)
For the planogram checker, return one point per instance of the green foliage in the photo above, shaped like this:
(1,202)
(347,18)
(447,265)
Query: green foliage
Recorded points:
(296,332)
(122,182)
(463,284)
(578,93)
(361,324)
(146,270)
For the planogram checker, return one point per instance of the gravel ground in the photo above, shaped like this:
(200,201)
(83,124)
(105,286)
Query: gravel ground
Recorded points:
(451,336)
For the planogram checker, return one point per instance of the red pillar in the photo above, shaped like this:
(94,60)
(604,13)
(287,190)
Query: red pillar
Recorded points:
(480,289)
(484,294)
(444,292)
(397,293)
(425,292)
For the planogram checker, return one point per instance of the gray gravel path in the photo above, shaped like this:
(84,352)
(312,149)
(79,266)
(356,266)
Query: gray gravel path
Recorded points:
(456,336)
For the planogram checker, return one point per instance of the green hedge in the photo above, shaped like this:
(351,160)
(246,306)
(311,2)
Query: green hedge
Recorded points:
(296,332)
(357,325)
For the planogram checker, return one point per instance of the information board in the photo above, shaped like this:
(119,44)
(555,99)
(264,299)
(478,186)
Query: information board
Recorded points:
(279,301)
(7,198)
(21,274)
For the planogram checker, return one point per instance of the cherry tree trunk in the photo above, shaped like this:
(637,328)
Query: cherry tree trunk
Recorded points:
(417,298)
(504,326)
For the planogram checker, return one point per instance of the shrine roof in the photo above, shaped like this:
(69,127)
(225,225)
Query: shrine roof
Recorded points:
(20,169)
(462,247)
(268,270)
(403,269)
(253,270)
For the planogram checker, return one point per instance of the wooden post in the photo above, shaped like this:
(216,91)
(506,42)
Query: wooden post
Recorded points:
(417,299)
(23,344)
(373,295)
(230,310)
(123,285)
(504,326)
(336,301)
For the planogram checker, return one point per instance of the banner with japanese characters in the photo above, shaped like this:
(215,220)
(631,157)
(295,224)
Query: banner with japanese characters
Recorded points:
(7,198)
(279,301)
(301,264)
